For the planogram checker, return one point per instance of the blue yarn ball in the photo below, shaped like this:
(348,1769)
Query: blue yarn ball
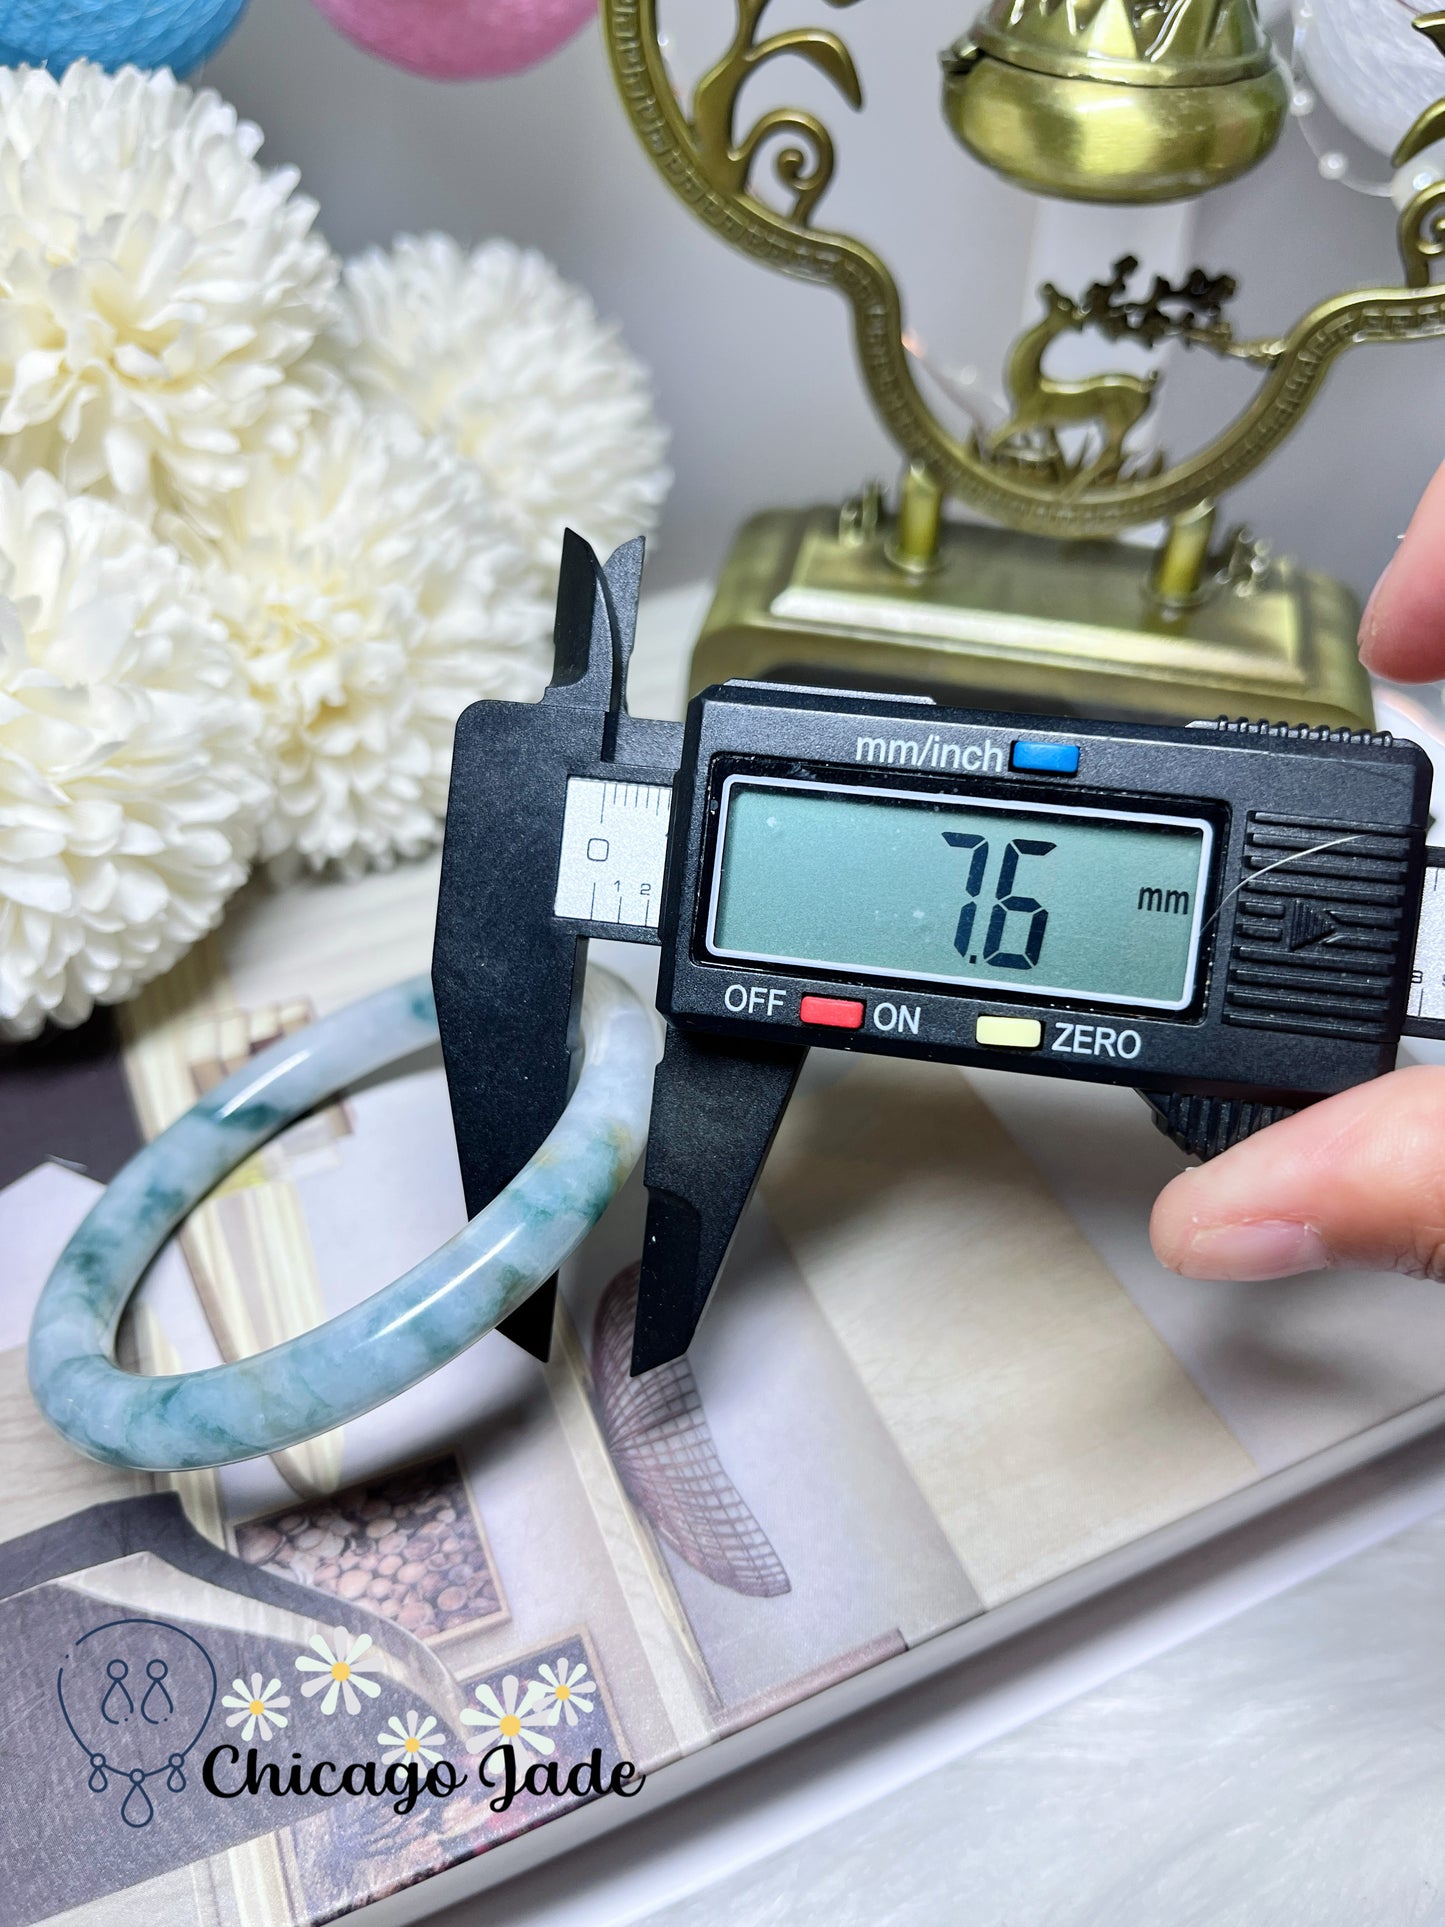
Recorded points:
(179,34)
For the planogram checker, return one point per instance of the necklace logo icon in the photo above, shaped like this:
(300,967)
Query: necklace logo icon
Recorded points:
(136,1695)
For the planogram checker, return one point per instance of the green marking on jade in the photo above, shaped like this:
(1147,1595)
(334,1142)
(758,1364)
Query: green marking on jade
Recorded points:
(383,1345)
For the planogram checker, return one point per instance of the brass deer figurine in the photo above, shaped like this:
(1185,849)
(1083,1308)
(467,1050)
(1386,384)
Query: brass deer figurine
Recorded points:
(1112,403)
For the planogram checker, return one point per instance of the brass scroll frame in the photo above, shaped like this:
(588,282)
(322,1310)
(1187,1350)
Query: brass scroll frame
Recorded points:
(710,169)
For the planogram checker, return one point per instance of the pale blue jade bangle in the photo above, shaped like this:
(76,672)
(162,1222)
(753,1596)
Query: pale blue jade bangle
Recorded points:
(391,1340)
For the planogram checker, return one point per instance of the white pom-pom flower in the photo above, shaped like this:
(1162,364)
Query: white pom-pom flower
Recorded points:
(157,288)
(373,595)
(132,784)
(497,351)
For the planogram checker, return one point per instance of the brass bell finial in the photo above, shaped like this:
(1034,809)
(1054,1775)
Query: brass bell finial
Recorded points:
(1116,100)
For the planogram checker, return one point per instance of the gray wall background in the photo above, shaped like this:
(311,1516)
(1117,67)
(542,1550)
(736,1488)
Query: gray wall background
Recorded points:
(755,373)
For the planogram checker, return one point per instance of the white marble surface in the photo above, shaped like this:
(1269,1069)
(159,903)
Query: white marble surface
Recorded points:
(1286,1768)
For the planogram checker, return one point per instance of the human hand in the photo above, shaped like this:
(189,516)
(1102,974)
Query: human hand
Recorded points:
(1358,1179)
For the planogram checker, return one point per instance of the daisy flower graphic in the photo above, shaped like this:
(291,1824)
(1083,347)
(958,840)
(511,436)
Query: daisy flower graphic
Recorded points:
(508,1721)
(256,1706)
(340,1671)
(563,1691)
(409,1742)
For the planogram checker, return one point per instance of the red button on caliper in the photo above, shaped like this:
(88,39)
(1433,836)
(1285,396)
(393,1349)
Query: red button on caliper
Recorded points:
(839,1013)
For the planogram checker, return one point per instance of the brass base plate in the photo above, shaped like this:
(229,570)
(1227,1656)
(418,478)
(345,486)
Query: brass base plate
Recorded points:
(1013,621)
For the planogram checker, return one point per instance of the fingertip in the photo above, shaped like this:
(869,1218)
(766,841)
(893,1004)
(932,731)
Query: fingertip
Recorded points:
(1356,1179)
(1172,1221)
(1402,631)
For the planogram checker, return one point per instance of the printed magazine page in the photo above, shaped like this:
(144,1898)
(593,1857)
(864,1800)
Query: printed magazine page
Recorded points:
(940,1371)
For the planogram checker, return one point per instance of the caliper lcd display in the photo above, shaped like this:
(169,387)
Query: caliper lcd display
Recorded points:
(1095,904)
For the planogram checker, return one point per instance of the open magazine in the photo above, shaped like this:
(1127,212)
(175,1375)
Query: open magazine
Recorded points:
(941,1371)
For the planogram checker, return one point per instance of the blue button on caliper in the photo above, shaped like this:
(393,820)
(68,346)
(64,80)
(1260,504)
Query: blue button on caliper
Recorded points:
(1059,759)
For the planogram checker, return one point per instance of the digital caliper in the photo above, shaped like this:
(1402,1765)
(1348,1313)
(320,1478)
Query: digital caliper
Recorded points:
(1234,918)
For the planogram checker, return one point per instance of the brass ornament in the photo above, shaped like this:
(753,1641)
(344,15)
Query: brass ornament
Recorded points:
(1110,406)
(1114,100)
(805,171)
(1114,404)
(1422,233)
(715,169)
(1001,620)
(1421,230)
(1429,125)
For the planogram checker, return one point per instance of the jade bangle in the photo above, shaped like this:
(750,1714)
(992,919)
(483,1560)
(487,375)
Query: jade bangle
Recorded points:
(392,1339)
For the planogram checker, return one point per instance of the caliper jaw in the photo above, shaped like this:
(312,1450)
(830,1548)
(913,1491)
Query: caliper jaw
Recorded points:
(716,1107)
(506,970)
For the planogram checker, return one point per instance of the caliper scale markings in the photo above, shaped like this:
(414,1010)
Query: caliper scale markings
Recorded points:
(614,850)
(1426,1010)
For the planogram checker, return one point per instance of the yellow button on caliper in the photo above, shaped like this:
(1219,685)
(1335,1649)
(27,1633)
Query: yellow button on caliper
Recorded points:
(1009,1033)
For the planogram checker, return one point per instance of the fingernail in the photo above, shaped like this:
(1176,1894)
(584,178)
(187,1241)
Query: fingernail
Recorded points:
(1370,620)
(1367,624)
(1269,1248)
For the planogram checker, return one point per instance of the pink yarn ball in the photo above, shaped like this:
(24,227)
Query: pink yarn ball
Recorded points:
(460,39)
